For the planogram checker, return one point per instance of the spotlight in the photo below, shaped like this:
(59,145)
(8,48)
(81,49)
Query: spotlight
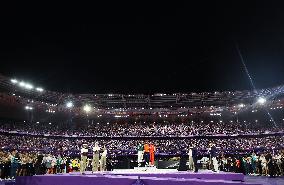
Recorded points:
(14,81)
(87,108)
(69,104)
(261,100)
(241,105)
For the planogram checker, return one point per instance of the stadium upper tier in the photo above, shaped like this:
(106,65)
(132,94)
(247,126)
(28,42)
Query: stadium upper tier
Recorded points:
(32,97)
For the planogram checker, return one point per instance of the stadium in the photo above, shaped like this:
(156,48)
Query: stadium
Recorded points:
(142,93)
(243,125)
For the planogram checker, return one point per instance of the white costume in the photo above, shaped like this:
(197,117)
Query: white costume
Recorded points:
(84,156)
(103,160)
(190,159)
(96,157)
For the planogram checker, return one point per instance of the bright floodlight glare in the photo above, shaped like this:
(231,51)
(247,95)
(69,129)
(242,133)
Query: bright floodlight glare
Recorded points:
(69,104)
(22,84)
(14,81)
(39,89)
(87,108)
(241,105)
(261,100)
(29,86)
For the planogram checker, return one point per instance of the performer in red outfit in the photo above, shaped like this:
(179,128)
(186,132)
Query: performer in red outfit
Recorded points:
(152,150)
(146,153)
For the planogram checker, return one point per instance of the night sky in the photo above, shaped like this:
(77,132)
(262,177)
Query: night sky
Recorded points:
(146,48)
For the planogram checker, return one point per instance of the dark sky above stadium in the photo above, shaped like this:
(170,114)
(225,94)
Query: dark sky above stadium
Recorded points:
(145,47)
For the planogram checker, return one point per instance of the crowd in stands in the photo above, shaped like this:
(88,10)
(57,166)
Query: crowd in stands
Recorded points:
(144,129)
(125,147)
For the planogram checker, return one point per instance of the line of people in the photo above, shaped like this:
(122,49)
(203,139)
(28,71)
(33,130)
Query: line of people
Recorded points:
(147,152)
(98,161)
(15,163)
(25,164)
(264,164)
(193,158)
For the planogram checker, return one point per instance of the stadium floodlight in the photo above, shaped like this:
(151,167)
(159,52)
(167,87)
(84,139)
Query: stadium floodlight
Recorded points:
(69,104)
(14,81)
(22,84)
(261,100)
(39,89)
(29,86)
(87,108)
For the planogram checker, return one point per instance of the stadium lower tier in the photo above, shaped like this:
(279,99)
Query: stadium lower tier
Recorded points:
(72,146)
(29,155)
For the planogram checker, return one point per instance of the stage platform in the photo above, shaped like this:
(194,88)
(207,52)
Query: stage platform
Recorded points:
(173,173)
(137,177)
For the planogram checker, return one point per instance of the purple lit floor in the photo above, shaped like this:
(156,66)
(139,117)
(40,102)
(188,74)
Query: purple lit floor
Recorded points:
(149,178)
(265,180)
